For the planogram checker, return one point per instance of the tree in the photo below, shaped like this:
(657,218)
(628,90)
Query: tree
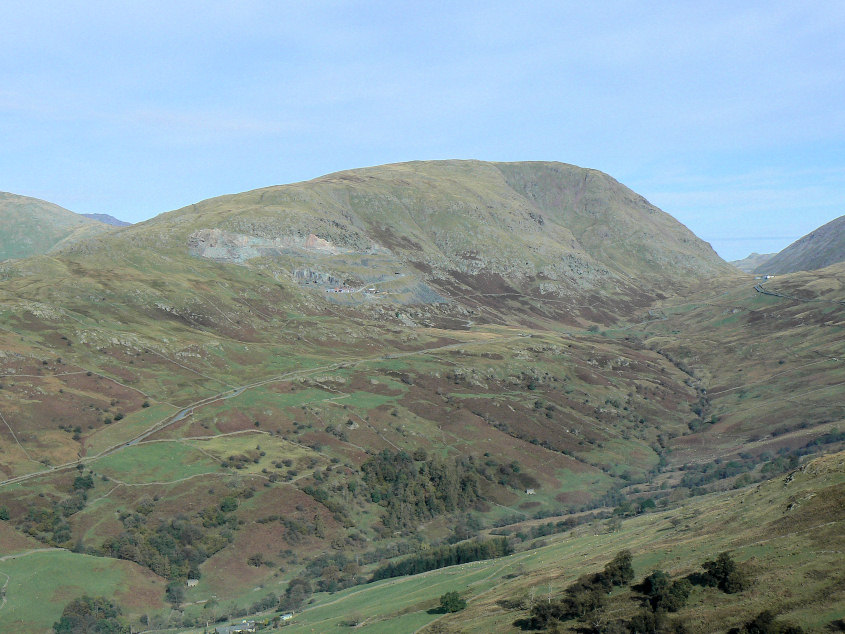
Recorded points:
(646,505)
(229,504)
(452,602)
(4,514)
(646,622)
(298,590)
(83,482)
(175,593)
(319,526)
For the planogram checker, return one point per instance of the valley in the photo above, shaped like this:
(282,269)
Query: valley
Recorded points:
(526,350)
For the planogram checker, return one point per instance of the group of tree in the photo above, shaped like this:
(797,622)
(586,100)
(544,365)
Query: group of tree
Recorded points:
(49,524)
(658,595)
(413,491)
(173,548)
(698,477)
(507,474)
(585,597)
(91,615)
(443,556)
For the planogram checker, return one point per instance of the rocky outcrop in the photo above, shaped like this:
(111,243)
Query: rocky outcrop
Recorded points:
(224,246)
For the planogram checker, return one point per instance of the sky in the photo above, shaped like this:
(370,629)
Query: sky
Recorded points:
(728,115)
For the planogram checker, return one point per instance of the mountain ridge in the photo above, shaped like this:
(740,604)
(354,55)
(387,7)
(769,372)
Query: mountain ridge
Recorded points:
(107,219)
(816,250)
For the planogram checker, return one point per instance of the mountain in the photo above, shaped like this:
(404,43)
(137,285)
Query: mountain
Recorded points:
(295,387)
(107,219)
(816,250)
(31,226)
(750,263)
(545,233)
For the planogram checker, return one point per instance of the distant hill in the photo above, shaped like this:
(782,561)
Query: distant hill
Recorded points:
(29,226)
(817,250)
(107,219)
(750,263)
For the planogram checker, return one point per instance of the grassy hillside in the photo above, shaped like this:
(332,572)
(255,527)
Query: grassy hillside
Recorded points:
(31,226)
(39,584)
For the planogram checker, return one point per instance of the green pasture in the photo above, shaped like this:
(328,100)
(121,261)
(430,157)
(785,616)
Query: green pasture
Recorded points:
(264,397)
(128,428)
(155,461)
(368,400)
(274,447)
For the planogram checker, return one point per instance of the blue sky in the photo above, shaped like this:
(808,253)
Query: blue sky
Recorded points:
(728,115)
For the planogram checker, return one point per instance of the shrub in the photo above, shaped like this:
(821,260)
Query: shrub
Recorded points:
(765,623)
